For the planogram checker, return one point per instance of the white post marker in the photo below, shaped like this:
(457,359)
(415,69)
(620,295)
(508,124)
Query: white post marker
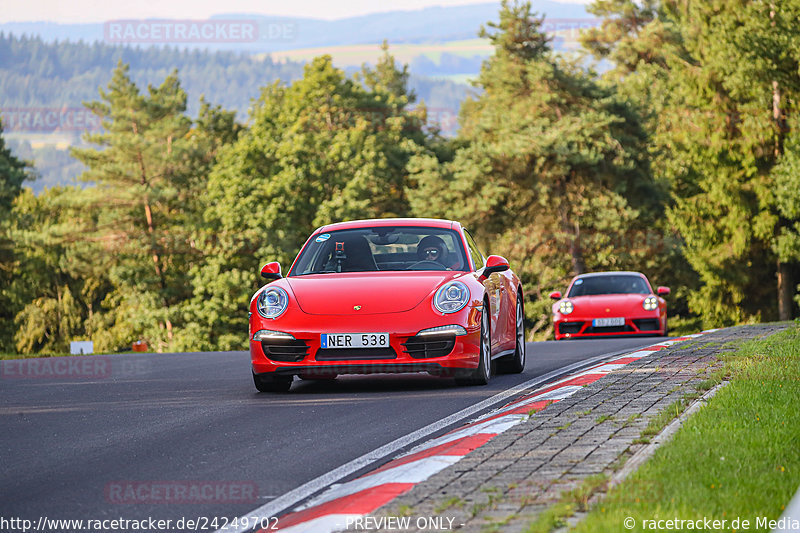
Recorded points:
(81,347)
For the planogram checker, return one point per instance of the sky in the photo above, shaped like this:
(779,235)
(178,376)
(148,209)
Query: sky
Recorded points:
(77,11)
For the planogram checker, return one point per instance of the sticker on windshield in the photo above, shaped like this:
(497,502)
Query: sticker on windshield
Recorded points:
(578,281)
(324,237)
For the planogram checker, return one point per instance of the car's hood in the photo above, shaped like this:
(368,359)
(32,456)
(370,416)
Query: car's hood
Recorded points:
(359,293)
(608,304)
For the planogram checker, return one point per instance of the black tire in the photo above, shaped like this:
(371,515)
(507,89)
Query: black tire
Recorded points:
(266,383)
(482,374)
(515,363)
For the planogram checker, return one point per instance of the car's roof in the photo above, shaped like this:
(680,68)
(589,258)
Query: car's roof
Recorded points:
(598,274)
(370,223)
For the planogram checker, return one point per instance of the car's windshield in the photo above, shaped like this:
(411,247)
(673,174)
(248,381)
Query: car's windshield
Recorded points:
(382,248)
(613,284)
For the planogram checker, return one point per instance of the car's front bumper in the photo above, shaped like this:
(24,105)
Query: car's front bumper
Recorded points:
(437,354)
(570,327)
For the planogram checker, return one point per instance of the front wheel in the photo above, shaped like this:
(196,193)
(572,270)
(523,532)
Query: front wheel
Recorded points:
(482,374)
(267,383)
(515,363)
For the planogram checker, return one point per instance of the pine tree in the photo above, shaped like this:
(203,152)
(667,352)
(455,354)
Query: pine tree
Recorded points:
(721,97)
(149,175)
(13,173)
(550,165)
(325,149)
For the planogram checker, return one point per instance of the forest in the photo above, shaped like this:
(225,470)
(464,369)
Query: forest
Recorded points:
(681,161)
(53,79)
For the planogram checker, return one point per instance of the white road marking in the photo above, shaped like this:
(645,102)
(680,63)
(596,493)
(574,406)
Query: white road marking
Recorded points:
(413,472)
(280,504)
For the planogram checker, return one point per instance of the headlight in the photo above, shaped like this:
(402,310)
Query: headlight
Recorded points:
(272,302)
(565,307)
(451,297)
(650,303)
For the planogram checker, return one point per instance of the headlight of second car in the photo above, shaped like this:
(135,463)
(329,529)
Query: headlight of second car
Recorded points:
(272,302)
(565,307)
(451,297)
(650,303)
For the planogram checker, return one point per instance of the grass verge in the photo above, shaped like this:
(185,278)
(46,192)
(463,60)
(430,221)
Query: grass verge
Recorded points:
(735,459)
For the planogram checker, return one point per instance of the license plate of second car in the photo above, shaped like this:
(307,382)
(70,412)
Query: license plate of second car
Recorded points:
(608,322)
(354,340)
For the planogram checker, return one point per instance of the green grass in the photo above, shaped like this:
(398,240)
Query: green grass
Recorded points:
(7,356)
(660,421)
(455,501)
(735,458)
(568,504)
(631,419)
(551,518)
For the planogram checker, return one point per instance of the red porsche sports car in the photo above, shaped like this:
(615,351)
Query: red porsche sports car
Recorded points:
(389,295)
(610,303)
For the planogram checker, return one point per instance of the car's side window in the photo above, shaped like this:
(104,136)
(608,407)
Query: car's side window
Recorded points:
(477,256)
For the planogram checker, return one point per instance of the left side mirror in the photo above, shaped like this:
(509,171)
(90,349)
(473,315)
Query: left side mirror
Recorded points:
(662,291)
(495,263)
(271,271)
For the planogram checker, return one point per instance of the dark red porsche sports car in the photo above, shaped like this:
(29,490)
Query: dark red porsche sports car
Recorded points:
(610,304)
(389,295)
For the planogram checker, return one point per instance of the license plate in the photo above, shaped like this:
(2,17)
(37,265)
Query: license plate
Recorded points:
(608,322)
(354,340)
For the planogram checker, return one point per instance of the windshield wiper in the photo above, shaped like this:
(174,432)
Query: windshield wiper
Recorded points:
(315,272)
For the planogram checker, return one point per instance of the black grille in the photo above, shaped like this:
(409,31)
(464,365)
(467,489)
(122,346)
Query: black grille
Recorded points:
(647,324)
(429,346)
(347,354)
(285,350)
(611,329)
(570,327)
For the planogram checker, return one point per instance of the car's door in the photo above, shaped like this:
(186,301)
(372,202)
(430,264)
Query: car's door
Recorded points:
(507,310)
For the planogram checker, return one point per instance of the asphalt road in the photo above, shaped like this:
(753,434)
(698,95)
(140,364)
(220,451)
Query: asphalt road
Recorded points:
(121,436)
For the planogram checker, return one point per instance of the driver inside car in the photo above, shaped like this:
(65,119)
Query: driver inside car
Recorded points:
(432,248)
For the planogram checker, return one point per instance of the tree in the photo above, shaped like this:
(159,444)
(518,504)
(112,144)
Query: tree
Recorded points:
(13,173)
(54,287)
(325,149)
(720,96)
(787,200)
(149,174)
(631,35)
(550,165)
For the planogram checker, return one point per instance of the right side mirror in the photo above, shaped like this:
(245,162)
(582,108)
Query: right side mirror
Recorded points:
(555,295)
(271,271)
(662,291)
